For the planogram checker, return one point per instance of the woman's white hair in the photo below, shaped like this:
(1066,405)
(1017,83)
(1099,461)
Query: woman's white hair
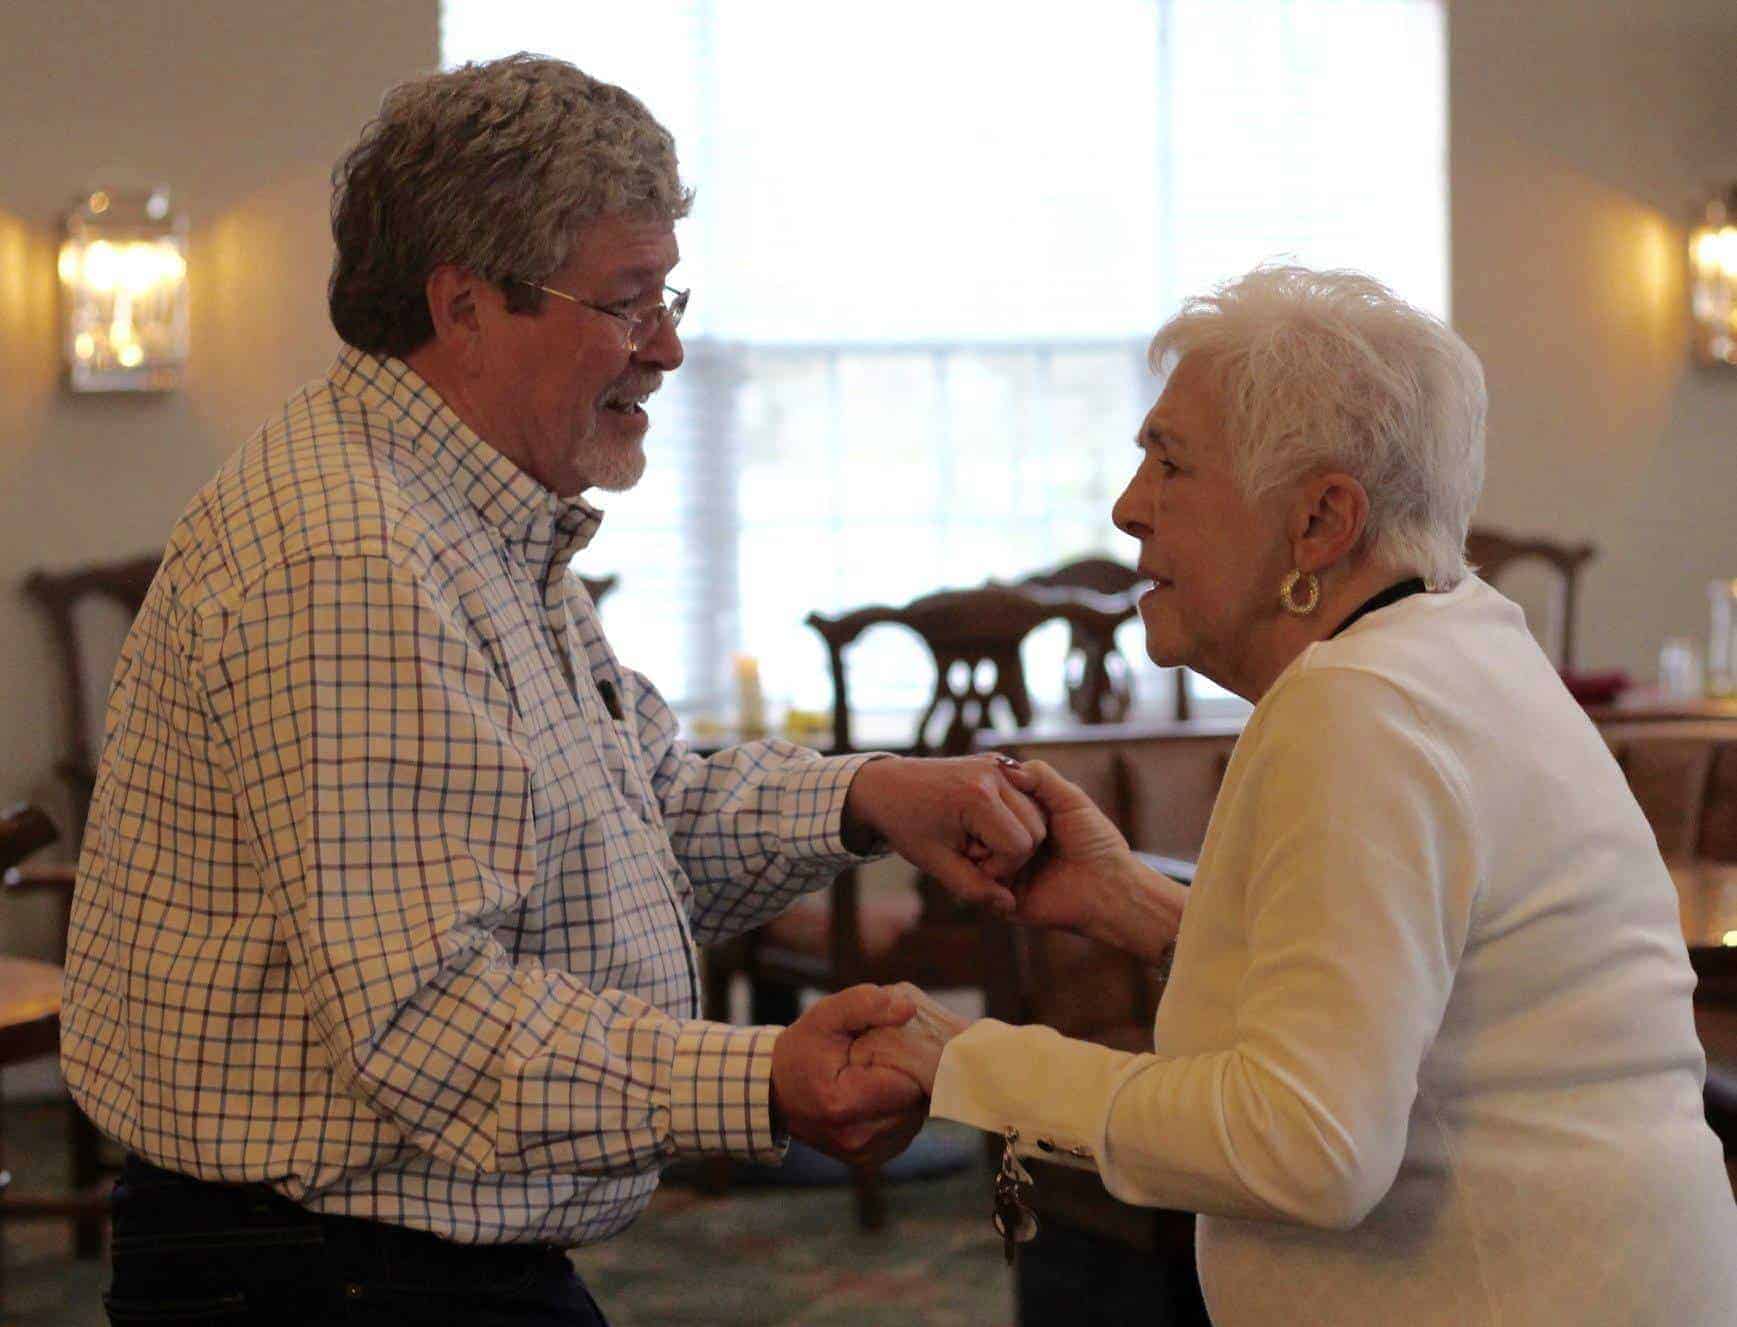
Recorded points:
(1331,370)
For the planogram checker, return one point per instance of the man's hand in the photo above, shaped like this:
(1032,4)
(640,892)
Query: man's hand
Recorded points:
(914,1049)
(856,1112)
(959,820)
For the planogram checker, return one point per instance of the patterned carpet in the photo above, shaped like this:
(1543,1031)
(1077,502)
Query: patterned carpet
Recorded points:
(770,1257)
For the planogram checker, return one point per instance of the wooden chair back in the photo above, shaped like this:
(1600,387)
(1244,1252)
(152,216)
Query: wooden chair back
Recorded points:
(88,610)
(599,587)
(1494,554)
(1099,680)
(973,638)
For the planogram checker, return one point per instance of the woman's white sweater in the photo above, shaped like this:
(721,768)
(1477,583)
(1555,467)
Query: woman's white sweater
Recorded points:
(1426,1054)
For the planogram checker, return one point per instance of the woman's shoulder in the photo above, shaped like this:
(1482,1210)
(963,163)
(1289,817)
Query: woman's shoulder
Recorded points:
(1335,717)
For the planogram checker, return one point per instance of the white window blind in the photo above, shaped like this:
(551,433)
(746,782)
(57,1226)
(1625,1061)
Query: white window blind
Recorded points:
(930,241)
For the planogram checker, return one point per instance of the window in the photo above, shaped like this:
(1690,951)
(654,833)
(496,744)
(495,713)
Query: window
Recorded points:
(930,241)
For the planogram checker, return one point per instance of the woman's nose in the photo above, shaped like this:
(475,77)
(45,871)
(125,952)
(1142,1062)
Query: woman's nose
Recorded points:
(1131,515)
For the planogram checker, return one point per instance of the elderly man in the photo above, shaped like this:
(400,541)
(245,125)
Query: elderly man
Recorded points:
(382,964)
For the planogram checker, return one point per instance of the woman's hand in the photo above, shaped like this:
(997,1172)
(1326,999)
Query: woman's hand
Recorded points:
(1086,880)
(913,1049)
(1072,882)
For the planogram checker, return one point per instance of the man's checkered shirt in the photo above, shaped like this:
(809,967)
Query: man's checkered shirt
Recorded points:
(378,904)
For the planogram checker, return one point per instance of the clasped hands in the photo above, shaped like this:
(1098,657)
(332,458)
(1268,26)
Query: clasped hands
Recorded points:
(853,1075)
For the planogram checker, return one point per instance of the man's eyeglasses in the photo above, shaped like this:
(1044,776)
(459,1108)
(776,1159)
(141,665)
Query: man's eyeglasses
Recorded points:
(643,325)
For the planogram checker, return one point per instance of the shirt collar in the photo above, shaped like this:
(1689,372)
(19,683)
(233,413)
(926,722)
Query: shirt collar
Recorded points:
(544,528)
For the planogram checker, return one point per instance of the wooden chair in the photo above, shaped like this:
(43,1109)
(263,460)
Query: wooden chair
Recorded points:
(78,604)
(88,610)
(1100,683)
(1492,553)
(30,1029)
(1159,790)
(599,587)
(71,601)
(845,936)
(1684,775)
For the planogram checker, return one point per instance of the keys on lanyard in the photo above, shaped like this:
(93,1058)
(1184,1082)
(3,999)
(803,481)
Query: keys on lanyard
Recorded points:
(1015,1222)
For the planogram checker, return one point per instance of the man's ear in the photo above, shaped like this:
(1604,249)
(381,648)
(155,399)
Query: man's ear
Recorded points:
(1327,520)
(453,308)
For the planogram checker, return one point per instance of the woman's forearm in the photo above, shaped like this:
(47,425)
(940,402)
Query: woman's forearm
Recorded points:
(1143,912)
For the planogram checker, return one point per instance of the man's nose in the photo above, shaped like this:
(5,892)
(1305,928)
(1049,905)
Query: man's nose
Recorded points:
(664,350)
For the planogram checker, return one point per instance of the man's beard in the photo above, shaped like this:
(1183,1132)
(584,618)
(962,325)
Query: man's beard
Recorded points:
(612,467)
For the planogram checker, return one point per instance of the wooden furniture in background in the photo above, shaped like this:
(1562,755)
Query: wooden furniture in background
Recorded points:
(1100,683)
(70,600)
(1158,784)
(599,587)
(1683,772)
(845,935)
(30,1029)
(974,638)
(88,610)
(1493,552)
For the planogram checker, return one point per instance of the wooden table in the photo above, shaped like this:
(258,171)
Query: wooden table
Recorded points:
(1707,904)
(1650,705)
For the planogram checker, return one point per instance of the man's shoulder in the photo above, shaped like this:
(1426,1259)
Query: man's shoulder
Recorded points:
(325,477)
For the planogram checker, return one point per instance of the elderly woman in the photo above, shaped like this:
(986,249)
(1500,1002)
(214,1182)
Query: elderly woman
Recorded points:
(1426,1053)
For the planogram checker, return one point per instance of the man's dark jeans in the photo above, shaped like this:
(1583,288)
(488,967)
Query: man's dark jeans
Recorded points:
(187,1251)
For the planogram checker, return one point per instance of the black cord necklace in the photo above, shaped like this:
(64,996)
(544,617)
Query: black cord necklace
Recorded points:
(1391,595)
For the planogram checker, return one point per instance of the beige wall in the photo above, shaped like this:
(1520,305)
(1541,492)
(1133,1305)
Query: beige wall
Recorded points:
(241,107)
(1584,133)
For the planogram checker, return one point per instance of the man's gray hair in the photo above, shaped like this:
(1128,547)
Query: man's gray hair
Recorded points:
(1332,371)
(491,167)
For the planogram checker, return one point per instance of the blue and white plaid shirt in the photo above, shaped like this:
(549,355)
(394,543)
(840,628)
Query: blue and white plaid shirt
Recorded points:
(378,904)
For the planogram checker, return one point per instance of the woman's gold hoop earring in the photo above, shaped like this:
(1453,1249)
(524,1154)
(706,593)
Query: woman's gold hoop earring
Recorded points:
(1312,589)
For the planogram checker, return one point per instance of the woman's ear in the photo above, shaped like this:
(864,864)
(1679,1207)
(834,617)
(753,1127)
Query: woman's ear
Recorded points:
(1328,520)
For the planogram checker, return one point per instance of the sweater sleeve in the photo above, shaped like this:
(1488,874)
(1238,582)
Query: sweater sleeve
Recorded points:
(1361,881)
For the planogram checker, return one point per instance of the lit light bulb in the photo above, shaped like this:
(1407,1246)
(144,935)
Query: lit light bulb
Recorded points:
(84,345)
(1726,250)
(140,267)
(101,267)
(1706,250)
(70,256)
(130,355)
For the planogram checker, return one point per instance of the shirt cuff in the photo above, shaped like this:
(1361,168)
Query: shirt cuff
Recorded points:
(721,1093)
(811,808)
(1053,1089)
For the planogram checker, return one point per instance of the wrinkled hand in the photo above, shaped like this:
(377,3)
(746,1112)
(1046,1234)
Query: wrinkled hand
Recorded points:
(857,1112)
(913,1048)
(1074,883)
(960,820)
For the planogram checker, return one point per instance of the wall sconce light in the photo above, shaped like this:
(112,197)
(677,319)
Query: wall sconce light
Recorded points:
(123,284)
(1713,281)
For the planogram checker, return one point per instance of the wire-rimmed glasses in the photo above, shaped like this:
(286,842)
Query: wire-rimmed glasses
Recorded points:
(643,325)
